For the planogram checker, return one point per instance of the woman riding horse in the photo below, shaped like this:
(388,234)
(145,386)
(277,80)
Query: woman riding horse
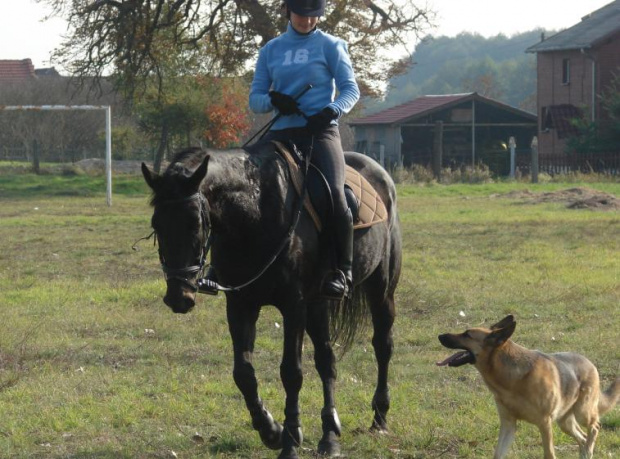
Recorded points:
(305,55)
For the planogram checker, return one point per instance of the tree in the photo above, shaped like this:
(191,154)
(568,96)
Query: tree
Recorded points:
(602,135)
(227,117)
(496,67)
(133,39)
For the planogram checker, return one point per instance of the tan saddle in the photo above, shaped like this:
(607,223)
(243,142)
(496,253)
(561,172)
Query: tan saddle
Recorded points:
(371,211)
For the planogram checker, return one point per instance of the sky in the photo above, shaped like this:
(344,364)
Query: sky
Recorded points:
(25,34)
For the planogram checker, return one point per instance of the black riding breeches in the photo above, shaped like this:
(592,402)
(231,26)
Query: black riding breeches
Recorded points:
(327,156)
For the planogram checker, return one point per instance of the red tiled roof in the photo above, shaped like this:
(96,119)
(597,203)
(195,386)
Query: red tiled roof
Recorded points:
(13,71)
(412,108)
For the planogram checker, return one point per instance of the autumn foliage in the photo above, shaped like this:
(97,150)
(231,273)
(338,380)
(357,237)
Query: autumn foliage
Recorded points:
(227,119)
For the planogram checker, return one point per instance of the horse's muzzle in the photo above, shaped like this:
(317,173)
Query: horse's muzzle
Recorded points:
(178,298)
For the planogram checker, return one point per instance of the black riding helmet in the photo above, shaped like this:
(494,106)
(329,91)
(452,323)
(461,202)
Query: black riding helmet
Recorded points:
(307,8)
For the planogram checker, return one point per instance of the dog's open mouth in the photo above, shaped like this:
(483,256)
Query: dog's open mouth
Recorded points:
(458,359)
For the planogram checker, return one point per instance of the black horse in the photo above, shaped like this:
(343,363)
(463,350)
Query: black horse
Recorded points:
(242,208)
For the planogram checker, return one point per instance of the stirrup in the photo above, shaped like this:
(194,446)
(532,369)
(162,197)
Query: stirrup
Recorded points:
(207,286)
(335,286)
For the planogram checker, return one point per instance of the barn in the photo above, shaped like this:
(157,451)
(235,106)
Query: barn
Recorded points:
(468,129)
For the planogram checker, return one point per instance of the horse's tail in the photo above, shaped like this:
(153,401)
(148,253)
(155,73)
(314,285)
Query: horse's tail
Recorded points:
(347,317)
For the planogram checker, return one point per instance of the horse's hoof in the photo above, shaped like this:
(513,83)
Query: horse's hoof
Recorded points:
(272,438)
(380,428)
(329,445)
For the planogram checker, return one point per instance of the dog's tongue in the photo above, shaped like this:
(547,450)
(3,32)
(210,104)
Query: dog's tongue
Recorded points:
(452,358)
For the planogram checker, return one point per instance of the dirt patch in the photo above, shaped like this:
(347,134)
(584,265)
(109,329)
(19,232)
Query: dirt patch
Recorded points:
(575,198)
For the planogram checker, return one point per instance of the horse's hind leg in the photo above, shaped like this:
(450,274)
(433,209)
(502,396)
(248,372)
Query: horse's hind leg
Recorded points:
(383,313)
(242,326)
(317,326)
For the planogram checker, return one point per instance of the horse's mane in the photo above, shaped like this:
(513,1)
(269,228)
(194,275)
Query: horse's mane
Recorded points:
(186,161)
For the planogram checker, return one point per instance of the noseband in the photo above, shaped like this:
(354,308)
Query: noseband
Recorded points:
(183,274)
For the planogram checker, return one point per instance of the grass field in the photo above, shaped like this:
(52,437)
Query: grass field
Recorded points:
(93,365)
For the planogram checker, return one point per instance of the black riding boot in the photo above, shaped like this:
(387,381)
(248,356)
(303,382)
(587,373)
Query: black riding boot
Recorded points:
(208,284)
(338,282)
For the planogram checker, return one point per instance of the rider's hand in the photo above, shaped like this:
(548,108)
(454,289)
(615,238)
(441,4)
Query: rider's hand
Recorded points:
(321,120)
(285,104)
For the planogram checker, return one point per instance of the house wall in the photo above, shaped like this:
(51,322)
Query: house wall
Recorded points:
(376,136)
(551,91)
(579,91)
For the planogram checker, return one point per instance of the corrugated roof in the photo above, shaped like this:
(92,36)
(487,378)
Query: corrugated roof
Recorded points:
(12,71)
(428,104)
(593,28)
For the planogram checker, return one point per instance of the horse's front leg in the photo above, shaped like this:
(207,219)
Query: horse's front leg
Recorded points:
(325,362)
(242,326)
(292,379)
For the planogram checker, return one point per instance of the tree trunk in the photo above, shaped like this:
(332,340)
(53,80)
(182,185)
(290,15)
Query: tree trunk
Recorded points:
(161,149)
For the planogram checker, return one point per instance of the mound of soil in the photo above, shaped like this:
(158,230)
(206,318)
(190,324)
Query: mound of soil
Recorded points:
(575,198)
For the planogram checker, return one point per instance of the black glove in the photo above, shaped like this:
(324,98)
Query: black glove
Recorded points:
(285,104)
(321,120)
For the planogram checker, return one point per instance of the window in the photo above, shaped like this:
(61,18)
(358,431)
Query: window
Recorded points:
(545,120)
(565,71)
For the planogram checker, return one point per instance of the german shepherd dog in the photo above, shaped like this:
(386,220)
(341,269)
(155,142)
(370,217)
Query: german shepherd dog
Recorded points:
(534,387)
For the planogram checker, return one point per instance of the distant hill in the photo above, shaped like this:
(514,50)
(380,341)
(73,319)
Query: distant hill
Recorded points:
(495,67)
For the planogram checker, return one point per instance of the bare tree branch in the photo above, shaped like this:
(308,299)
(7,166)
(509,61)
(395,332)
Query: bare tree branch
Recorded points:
(134,40)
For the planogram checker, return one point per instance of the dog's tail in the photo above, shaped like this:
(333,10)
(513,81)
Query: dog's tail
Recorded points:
(608,399)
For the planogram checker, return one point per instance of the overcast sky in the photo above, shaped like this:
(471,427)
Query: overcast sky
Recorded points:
(24,34)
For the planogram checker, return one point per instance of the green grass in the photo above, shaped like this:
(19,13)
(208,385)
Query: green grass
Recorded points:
(93,365)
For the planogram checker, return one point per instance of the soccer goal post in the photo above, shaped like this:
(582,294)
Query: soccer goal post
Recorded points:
(108,132)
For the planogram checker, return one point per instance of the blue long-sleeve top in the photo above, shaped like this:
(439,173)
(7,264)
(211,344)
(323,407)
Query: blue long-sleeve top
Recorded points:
(291,61)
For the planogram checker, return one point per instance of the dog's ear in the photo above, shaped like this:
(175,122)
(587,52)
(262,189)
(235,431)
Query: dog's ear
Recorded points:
(499,336)
(505,322)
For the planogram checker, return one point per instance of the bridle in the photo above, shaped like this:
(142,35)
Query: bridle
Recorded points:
(183,274)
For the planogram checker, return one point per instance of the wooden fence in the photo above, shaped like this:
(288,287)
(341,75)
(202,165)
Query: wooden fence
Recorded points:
(602,163)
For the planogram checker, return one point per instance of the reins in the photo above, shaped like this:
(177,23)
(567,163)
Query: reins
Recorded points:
(286,239)
(182,274)
(271,122)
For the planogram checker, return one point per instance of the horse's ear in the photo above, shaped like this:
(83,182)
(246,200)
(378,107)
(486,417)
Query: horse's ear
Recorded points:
(151,178)
(199,175)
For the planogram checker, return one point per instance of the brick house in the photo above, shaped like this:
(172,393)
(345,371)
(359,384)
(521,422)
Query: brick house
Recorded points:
(16,71)
(574,67)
